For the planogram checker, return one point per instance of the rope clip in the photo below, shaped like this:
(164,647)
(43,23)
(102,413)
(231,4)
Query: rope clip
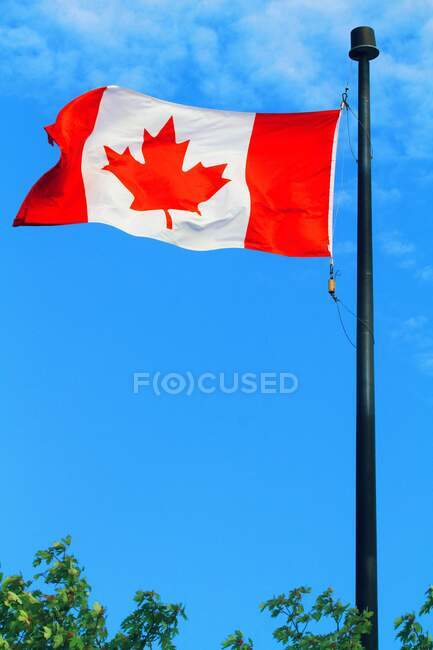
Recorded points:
(332,286)
(344,96)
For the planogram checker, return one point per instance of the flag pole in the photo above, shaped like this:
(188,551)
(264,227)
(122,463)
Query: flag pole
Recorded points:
(363,49)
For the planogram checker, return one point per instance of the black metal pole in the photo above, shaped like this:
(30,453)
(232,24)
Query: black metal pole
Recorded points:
(363,49)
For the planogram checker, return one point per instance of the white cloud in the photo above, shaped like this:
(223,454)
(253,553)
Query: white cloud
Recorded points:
(345,248)
(392,244)
(425,362)
(255,55)
(387,195)
(411,325)
(396,246)
(416,333)
(342,197)
(407,263)
(237,53)
(425,273)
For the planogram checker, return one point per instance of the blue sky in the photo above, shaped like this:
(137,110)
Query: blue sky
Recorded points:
(217,501)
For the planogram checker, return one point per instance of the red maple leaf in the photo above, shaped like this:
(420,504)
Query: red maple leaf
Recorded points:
(160,183)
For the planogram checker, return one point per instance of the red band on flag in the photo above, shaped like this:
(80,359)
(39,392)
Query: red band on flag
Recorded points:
(288,173)
(59,197)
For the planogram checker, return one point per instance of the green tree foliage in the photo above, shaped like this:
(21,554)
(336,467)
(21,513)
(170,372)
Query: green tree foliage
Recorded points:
(53,611)
(347,624)
(410,631)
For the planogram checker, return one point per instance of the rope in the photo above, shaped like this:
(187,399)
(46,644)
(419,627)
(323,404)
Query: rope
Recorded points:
(336,300)
(345,105)
(363,127)
(332,273)
(349,137)
(339,302)
(357,317)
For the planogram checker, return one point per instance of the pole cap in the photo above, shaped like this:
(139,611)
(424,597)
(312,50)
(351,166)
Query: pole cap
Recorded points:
(363,44)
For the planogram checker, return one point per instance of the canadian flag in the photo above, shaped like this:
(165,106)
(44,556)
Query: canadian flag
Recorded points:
(199,178)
